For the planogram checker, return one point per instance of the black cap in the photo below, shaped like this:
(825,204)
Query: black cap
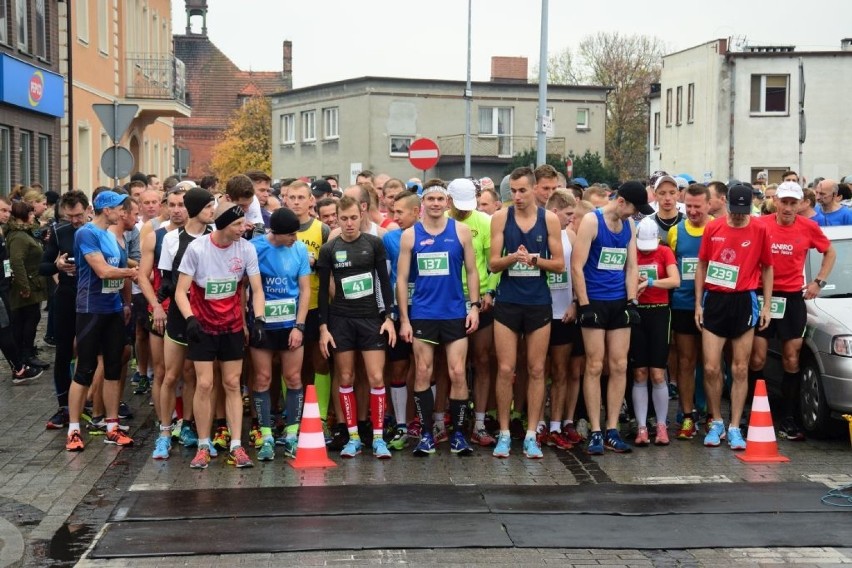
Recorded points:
(739,199)
(283,222)
(320,187)
(634,192)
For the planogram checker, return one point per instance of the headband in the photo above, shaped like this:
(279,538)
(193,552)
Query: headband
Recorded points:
(435,188)
(228,216)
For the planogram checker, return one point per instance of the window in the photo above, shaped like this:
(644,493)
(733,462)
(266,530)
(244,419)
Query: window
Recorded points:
(5,161)
(4,22)
(82,20)
(288,128)
(497,121)
(668,107)
(582,119)
(679,105)
(690,103)
(40,30)
(309,126)
(329,123)
(44,160)
(656,130)
(769,94)
(103,26)
(84,159)
(399,145)
(105,143)
(22,18)
(26,150)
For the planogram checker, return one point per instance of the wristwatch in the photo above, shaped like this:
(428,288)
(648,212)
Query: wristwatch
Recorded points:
(300,327)
(633,301)
(476,304)
(534,261)
(820,283)
(261,319)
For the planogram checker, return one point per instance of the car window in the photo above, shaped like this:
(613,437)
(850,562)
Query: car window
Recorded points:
(840,279)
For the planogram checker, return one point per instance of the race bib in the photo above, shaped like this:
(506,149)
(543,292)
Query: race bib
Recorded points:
(558,280)
(220,288)
(7,268)
(688,267)
(110,285)
(612,258)
(777,306)
(648,271)
(357,286)
(522,270)
(433,263)
(721,274)
(277,311)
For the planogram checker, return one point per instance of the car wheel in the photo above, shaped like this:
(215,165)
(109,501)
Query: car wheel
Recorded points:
(814,412)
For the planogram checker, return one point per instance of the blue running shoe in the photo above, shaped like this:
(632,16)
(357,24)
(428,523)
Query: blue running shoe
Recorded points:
(266,451)
(596,445)
(715,435)
(459,446)
(532,450)
(380,449)
(503,447)
(188,437)
(426,446)
(735,439)
(162,447)
(613,442)
(290,446)
(352,448)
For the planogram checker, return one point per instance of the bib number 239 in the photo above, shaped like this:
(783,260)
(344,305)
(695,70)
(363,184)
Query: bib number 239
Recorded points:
(724,275)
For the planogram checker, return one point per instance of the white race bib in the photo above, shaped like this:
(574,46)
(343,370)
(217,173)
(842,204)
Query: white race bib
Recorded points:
(688,267)
(612,258)
(112,285)
(357,286)
(777,306)
(220,288)
(721,274)
(277,311)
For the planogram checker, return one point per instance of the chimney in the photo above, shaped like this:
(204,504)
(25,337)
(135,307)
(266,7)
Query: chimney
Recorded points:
(287,68)
(846,44)
(509,69)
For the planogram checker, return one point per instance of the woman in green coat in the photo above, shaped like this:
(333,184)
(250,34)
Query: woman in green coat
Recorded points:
(28,289)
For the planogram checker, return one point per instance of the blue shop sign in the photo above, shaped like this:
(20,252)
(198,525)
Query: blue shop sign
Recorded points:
(30,87)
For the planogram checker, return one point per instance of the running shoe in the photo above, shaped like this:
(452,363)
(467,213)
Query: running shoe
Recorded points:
(503,447)
(642,437)
(98,426)
(162,447)
(790,430)
(134,380)
(239,458)
(459,446)
(222,438)
(715,435)
(26,374)
(571,434)
(399,440)
(516,429)
(541,435)
(426,446)
(291,444)
(339,437)
(440,435)
(613,442)
(673,392)
(352,448)
(267,451)
(559,440)
(380,449)
(662,438)
(414,429)
(49,340)
(255,435)
(188,437)
(531,449)
(144,385)
(365,431)
(118,438)
(59,420)
(483,438)
(202,458)
(735,439)
(124,411)
(74,443)
(86,415)
(36,362)
(596,444)
(177,426)
(687,429)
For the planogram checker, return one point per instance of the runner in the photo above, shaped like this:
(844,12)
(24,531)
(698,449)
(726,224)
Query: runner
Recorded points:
(434,252)
(734,252)
(792,236)
(606,277)
(666,197)
(352,321)
(285,271)
(528,236)
(209,295)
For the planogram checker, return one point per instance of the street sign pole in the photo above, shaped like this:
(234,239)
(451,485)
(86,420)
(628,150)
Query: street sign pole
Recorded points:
(114,144)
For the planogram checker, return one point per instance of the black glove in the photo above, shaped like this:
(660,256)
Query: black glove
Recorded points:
(587,316)
(258,332)
(193,329)
(631,314)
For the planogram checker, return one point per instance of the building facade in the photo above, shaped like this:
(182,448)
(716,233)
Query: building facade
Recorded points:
(343,127)
(721,113)
(31,94)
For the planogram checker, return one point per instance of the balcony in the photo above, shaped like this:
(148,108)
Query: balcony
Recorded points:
(494,148)
(157,83)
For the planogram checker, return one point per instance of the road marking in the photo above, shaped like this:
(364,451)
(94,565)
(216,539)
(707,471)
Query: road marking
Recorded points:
(683,479)
(833,481)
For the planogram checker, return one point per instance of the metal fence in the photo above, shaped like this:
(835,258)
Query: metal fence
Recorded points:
(154,76)
(496,146)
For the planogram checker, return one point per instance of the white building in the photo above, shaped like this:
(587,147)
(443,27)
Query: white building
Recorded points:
(720,113)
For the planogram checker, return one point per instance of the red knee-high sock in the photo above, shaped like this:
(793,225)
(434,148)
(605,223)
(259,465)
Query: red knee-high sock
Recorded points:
(377,410)
(350,413)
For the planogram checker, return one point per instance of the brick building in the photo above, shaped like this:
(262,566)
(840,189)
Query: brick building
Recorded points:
(215,88)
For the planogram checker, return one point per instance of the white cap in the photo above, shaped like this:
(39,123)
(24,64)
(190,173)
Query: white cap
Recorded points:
(665,179)
(789,189)
(647,235)
(463,193)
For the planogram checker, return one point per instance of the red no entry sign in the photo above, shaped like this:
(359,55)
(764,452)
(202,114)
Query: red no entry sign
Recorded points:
(423,154)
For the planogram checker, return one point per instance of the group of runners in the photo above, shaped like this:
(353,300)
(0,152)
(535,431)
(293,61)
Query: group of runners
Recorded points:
(549,301)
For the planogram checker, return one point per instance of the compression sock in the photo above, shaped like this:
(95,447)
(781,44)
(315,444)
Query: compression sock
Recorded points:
(262,405)
(424,402)
(399,397)
(350,416)
(378,404)
(660,396)
(640,403)
(293,404)
(322,384)
(458,414)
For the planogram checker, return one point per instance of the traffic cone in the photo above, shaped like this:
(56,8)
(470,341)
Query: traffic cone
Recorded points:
(310,451)
(761,446)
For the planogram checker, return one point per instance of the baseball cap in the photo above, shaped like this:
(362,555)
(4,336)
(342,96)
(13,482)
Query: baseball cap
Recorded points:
(463,193)
(283,222)
(665,178)
(647,235)
(652,181)
(789,189)
(486,183)
(320,187)
(109,199)
(505,189)
(581,181)
(739,199)
(634,192)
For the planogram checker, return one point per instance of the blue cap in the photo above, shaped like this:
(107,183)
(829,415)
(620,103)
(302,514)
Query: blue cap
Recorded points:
(109,199)
(581,182)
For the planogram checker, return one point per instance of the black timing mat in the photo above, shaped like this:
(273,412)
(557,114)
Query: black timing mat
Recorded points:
(286,519)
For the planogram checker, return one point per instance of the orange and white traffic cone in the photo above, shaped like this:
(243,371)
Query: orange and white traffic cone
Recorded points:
(310,451)
(761,445)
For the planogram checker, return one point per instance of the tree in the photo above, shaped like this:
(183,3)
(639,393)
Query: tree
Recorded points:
(593,169)
(247,143)
(561,69)
(529,157)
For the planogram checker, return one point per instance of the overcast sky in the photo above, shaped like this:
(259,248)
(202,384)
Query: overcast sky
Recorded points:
(342,39)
